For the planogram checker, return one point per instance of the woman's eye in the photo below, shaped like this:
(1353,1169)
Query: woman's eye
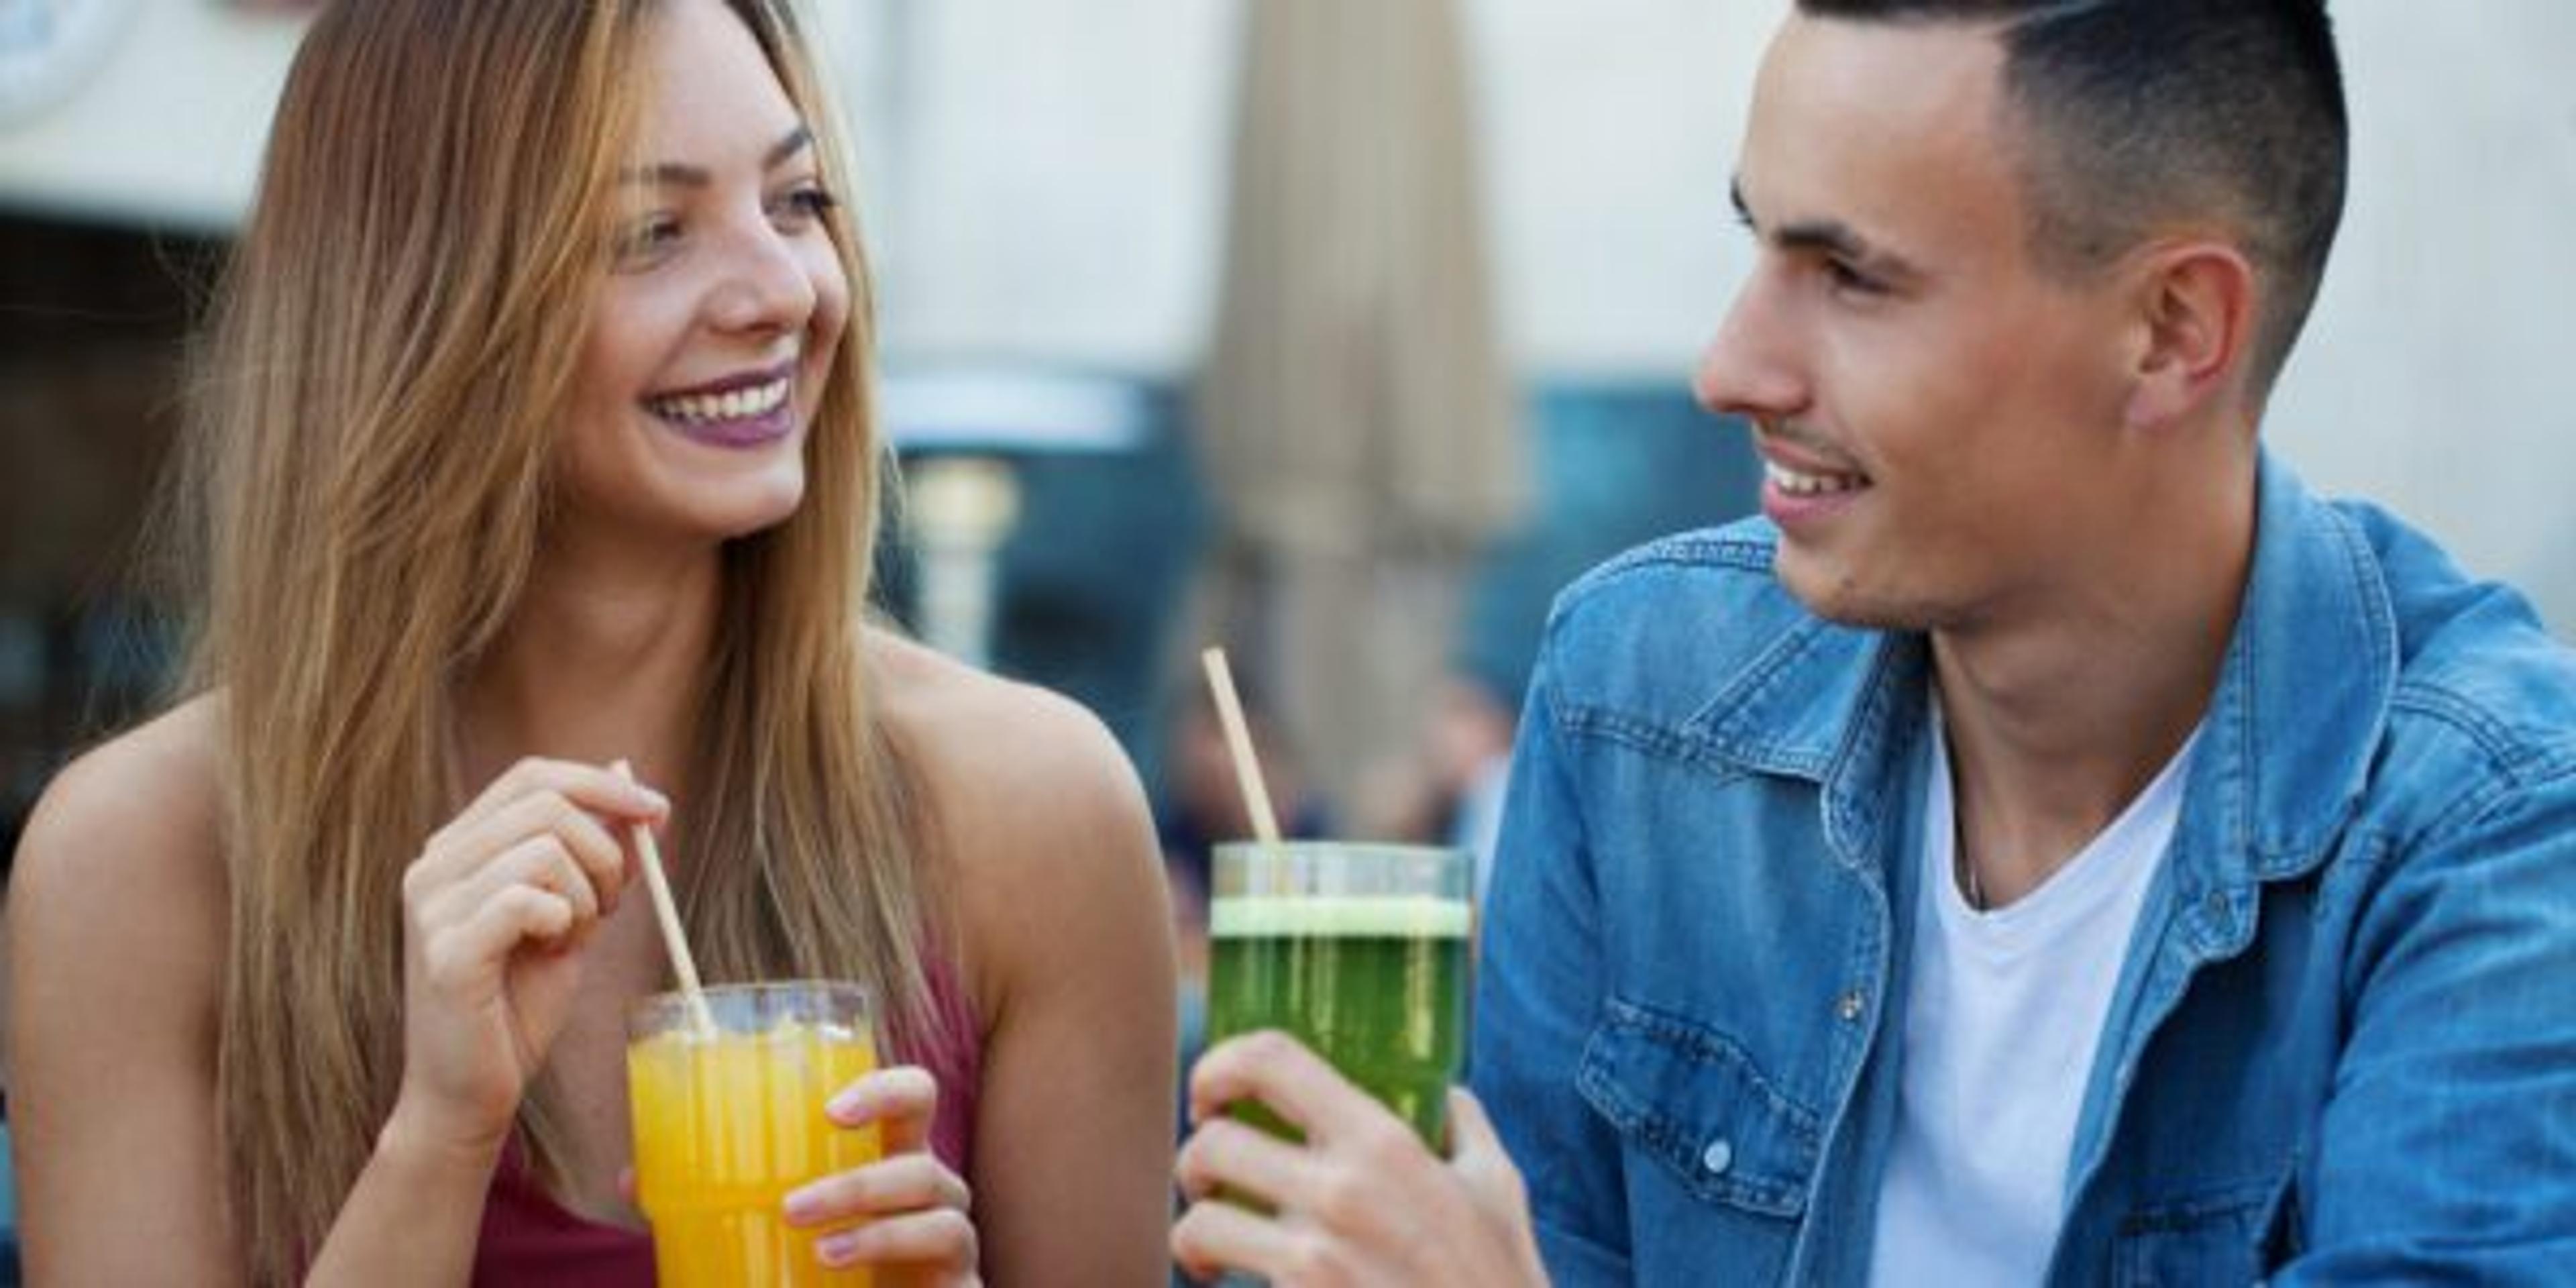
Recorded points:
(647,237)
(810,202)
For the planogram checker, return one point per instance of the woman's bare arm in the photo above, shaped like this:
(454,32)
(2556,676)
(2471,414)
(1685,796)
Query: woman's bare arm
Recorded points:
(117,925)
(116,944)
(1069,949)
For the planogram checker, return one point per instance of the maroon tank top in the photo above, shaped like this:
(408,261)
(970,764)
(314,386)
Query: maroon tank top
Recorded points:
(530,1239)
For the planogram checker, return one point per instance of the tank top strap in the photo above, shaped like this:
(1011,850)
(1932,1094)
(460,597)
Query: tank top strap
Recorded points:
(954,1055)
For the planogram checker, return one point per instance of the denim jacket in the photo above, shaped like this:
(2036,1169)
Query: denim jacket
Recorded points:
(2343,1043)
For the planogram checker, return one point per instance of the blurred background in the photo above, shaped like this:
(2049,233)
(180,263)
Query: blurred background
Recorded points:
(1342,332)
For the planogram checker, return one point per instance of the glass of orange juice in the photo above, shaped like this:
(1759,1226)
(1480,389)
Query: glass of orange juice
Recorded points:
(729,1119)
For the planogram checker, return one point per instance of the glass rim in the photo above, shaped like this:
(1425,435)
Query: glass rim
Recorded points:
(1313,845)
(653,1011)
(1325,870)
(757,987)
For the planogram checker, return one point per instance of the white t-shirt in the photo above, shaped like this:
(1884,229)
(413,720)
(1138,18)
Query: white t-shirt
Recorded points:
(2003,1011)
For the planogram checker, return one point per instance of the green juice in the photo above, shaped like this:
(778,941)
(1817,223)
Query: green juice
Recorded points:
(1377,985)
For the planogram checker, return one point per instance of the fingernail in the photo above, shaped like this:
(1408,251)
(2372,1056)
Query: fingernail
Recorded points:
(837,1249)
(844,1106)
(803,1206)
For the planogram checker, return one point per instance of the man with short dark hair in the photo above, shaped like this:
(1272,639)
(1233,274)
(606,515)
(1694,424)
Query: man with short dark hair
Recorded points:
(2051,846)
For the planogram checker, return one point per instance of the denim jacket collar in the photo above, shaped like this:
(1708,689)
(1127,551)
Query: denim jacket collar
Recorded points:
(1825,703)
(2302,694)
(2308,677)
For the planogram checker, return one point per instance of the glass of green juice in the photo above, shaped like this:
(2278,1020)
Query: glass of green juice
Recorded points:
(1359,951)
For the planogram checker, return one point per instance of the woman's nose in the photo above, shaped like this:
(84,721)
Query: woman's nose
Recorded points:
(766,286)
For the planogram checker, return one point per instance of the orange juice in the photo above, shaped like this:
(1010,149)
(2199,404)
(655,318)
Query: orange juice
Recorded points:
(727,1124)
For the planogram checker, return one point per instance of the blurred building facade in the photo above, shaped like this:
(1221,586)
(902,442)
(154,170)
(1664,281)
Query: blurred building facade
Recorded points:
(2431,378)
(1045,190)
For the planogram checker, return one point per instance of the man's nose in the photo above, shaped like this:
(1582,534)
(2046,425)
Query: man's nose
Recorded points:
(1751,367)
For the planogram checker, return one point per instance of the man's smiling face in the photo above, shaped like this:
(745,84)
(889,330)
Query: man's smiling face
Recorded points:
(1939,416)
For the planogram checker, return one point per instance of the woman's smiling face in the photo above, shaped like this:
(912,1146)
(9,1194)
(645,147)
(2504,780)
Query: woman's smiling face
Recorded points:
(718,322)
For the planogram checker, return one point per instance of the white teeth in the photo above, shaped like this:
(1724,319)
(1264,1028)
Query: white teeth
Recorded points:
(739,404)
(1796,484)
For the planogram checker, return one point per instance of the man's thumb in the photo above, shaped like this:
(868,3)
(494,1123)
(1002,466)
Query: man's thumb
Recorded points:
(1485,1169)
(1474,1147)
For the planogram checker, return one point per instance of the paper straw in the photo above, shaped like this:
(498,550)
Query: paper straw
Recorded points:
(1247,767)
(668,913)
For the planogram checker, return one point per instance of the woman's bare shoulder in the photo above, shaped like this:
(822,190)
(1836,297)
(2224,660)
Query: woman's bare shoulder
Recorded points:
(1033,797)
(998,753)
(126,844)
(135,799)
(116,926)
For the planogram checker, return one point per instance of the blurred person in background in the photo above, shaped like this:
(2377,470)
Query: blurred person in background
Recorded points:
(536,433)
(1447,789)
(1201,805)
(2052,845)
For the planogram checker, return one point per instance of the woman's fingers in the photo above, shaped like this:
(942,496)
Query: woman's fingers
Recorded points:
(531,864)
(464,954)
(941,1237)
(913,1209)
(588,788)
(546,812)
(538,826)
(540,863)
(903,1099)
(585,840)
(899,1183)
(595,787)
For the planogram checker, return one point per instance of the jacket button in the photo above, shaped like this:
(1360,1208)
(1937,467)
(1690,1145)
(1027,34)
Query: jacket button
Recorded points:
(1851,1005)
(1718,1157)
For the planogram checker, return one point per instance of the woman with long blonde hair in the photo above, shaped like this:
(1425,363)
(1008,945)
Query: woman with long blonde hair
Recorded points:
(535,434)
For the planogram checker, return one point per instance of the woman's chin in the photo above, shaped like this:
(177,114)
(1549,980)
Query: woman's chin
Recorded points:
(754,520)
(745,504)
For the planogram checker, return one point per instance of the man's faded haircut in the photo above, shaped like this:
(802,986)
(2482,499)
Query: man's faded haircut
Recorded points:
(2145,114)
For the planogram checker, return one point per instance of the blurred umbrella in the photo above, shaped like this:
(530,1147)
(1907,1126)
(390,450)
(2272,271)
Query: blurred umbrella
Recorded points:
(1357,418)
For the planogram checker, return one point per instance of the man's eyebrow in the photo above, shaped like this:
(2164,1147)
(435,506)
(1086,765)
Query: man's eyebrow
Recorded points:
(1822,236)
(690,176)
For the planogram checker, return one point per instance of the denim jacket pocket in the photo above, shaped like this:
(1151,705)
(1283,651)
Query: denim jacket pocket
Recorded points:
(1692,1099)
(2224,1234)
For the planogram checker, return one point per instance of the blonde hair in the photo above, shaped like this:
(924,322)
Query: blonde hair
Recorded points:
(386,362)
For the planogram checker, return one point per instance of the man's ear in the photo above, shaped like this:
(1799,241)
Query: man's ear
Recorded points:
(2195,312)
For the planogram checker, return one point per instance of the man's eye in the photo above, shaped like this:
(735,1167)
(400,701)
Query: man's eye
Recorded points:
(1844,277)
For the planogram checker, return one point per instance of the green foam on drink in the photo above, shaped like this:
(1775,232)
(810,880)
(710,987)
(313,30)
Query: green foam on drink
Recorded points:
(1338,917)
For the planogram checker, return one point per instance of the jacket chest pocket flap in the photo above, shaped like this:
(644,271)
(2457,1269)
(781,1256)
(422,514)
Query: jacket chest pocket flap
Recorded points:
(1689,1097)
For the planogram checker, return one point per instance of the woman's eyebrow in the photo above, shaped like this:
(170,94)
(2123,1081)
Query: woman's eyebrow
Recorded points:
(690,176)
